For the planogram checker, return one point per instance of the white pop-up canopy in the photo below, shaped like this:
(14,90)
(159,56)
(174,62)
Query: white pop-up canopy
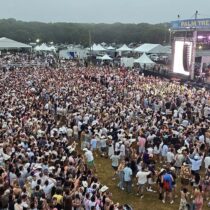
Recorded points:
(144,59)
(124,48)
(110,48)
(97,48)
(6,43)
(106,57)
(146,48)
(44,47)
(161,50)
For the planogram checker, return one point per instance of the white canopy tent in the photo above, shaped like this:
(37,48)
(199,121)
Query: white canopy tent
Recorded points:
(97,48)
(124,48)
(144,60)
(161,50)
(146,48)
(52,48)
(127,62)
(110,48)
(106,58)
(44,47)
(6,44)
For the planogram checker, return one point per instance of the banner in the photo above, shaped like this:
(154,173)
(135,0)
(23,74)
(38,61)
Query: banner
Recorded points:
(191,24)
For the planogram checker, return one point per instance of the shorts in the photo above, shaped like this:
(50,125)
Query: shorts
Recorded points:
(103,149)
(185,182)
(115,168)
(194,172)
(141,185)
(168,190)
(141,149)
(90,163)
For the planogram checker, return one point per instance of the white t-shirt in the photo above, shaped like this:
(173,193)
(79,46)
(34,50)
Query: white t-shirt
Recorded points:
(115,160)
(89,156)
(122,150)
(75,129)
(170,157)
(47,189)
(150,150)
(142,177)
(207,162)
(69,132)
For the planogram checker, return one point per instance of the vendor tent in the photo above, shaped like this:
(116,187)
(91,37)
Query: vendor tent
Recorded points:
(161,50)
(44,47)
(6,44)
(97,48)
(144,59)
(106,58)
(124,48)
(52,48)
(146,48)
(110,48)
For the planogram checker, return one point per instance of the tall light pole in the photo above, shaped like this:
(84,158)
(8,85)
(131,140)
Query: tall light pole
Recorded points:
(169,36)
(195,34)
(90,43)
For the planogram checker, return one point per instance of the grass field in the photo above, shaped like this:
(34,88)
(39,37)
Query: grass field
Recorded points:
(150,200)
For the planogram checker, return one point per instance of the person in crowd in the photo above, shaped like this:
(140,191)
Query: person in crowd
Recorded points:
(184,199)
(142,181)
(127,178)
(167,180)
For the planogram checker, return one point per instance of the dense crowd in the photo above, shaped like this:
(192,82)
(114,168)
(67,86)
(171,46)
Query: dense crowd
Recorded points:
(11,61)
(53,123)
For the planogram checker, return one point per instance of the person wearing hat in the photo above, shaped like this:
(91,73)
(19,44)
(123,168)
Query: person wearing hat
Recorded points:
(104,189)
(196,163)
(174,185)
(167,180)
(159,182)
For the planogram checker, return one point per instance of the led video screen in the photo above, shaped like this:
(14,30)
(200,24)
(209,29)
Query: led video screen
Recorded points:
(182,57)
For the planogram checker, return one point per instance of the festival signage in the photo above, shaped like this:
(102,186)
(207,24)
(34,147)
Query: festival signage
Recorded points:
(191,24)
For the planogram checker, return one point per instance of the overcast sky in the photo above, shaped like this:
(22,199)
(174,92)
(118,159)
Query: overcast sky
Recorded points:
(106,11)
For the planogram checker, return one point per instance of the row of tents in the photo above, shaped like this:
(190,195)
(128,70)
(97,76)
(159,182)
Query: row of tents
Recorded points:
(8,44)
(44,47)
(144,48)
(142,60)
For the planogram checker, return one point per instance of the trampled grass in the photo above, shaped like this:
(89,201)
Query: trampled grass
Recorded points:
(150,200)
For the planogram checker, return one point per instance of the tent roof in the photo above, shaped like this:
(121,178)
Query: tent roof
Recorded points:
(144,59)
(98,47)
(106,57)
(6,43)
(146,48)
(44,47)
(110,48)
(124,48)
(161,50)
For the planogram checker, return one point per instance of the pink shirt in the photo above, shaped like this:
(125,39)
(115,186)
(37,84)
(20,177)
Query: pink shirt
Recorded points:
(142,142)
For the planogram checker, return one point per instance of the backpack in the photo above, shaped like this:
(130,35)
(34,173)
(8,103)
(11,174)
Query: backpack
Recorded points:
(167,182)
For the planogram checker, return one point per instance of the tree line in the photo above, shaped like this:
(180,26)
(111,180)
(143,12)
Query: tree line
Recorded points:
(79,33)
